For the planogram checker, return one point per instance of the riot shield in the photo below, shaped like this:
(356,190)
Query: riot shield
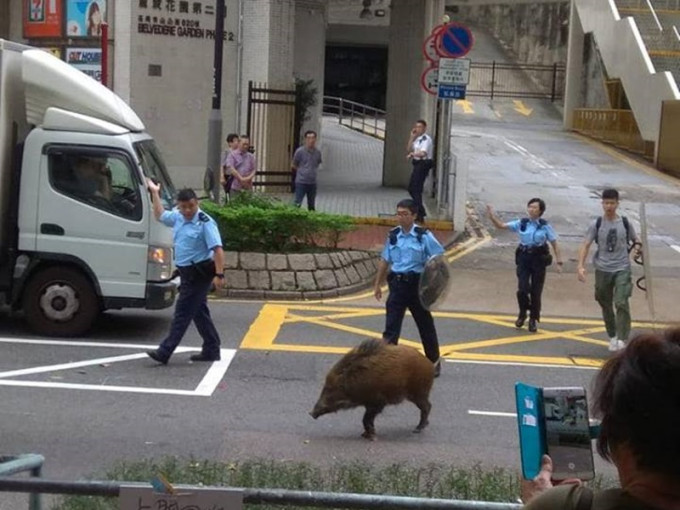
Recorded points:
(435,281)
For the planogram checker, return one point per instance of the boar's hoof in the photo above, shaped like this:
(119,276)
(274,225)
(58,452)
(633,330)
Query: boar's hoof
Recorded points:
(370,435)
(420,428)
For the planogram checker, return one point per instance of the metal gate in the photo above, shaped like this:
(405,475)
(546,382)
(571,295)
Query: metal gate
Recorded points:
(273,124)
(492,79)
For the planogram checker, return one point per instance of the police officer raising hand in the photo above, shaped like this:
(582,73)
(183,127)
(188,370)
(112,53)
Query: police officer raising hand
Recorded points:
(200,261)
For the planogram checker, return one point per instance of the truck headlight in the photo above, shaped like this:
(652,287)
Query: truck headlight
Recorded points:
(159,263)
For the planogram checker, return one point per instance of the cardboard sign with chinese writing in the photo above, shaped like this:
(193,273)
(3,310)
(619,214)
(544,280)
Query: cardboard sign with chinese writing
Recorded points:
(143,498)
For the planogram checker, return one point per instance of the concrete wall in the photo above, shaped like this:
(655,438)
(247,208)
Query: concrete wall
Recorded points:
(534,33)
(309,52)
(4,20)
(593,89)
(357,35)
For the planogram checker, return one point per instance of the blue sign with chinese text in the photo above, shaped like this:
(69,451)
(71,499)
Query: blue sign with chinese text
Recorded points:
(446,91)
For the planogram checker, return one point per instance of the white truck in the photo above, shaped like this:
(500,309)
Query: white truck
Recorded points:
(78,234)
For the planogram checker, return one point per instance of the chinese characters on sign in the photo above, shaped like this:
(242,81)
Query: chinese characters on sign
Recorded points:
(163,19)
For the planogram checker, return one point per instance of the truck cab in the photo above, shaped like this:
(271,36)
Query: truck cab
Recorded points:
(79,235)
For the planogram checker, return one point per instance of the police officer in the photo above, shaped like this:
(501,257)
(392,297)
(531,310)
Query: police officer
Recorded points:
(200,261)
(532,256)
(407,249)
(420,151)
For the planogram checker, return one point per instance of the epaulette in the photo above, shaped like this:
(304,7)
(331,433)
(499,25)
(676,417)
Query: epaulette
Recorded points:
(393,235)
(203,217)
(524,221)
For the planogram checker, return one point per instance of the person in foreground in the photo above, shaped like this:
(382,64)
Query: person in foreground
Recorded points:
(200,262)
(637,397)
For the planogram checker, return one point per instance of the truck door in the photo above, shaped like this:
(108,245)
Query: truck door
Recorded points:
(91,208)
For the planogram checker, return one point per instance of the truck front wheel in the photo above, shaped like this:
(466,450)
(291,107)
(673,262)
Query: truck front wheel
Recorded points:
(60,301)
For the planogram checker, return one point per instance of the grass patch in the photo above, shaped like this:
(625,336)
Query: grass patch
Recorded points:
(431,481)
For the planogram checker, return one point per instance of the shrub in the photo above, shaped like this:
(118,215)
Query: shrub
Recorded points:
(256,222)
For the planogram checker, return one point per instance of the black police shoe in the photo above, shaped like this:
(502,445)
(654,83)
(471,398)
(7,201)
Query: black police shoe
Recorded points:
(520,321)
(157,356)
(532,325)
(204,357)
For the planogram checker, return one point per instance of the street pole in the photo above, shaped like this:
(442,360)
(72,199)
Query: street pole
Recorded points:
(215,120)
(105,54)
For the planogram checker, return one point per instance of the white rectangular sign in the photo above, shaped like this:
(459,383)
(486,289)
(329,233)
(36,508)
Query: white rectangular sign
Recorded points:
(454,71)
(145,498)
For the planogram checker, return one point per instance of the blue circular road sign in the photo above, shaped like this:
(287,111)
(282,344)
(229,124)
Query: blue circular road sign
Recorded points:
(455,41)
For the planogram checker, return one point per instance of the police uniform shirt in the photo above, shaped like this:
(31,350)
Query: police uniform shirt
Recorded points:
(534,234)
(409,254)
(195,239)
(423,143)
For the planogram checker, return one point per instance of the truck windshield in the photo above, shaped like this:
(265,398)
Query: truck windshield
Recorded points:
(154,167)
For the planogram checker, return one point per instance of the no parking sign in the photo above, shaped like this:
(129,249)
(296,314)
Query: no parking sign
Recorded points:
(454,41)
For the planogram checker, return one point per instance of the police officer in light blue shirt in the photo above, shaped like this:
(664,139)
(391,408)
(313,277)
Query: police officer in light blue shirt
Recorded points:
(407,249)
(200,261)
(531,257)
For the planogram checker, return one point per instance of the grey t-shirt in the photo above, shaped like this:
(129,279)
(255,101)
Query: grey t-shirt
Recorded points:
(307,163)
(611,254)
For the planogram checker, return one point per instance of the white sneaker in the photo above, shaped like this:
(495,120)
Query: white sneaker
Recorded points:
(616,345)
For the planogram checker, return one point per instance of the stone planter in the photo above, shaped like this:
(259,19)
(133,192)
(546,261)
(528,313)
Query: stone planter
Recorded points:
(297,275)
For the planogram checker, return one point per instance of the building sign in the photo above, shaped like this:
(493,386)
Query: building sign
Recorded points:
(85,17)
(42,18)
(179,18)
(87,60)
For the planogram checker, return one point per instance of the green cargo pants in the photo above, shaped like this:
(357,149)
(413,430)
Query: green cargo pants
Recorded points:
(612,291)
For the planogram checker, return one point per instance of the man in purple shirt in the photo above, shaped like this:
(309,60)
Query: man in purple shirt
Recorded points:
(241,164)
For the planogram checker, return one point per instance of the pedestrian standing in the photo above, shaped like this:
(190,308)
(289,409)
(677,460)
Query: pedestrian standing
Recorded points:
(200,261)
(241,166)
(226,178)
(532,256)
(613,235)
(407,249)
(420,151)
(305,165)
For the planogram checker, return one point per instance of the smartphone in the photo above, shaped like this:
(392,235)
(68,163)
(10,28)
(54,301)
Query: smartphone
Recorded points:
(567,433)
(554,421)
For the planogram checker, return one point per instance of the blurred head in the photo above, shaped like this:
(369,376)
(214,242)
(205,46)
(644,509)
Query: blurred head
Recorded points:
(88,167)
(310,139)
(187,203)
(637,397)
(244,143)
(232,141)
(610,201)
(420,127)
(406,213)
(535,208)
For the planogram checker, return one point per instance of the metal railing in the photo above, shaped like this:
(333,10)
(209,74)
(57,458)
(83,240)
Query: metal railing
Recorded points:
(11,465)
(494,79)
(361,117)
(262,496)
(616,127)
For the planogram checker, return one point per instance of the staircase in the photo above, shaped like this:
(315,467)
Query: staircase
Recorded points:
(642,55)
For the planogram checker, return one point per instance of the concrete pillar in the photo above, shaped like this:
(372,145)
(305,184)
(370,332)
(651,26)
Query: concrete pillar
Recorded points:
(4,20)
(574,66)
(411,23)
(311,20)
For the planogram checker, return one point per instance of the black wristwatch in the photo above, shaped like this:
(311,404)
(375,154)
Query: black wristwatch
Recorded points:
(220,275)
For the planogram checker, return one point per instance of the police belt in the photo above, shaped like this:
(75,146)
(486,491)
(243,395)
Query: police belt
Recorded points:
(534,249)
(409,277)
(204,269)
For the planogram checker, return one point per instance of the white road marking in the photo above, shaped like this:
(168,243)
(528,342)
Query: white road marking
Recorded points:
(94,387)
(215,373)
(519,364)
(675,247)
(35,341)
(492,413)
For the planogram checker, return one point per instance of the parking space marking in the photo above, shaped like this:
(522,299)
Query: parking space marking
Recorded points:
(205,387)
(264,331)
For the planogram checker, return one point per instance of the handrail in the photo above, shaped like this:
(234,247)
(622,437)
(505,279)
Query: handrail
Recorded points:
(264,496)
(13,464)
(364,118)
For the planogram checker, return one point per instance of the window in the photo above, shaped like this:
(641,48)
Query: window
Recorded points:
(98,178)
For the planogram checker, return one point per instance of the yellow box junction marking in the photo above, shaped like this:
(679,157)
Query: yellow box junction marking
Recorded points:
(264,331)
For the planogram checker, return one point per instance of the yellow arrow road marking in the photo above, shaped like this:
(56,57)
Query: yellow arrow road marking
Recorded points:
(521,108)
(466,105)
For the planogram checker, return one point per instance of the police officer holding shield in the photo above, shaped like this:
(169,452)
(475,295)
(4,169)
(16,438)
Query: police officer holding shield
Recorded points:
(407,249)
(200,262)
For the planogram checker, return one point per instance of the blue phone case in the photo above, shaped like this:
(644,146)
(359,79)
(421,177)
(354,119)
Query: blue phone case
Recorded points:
(529,401)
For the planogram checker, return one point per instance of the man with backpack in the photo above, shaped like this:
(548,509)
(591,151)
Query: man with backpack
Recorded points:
(614,235)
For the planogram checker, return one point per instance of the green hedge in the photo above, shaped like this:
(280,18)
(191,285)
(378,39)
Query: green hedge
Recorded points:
(256,222)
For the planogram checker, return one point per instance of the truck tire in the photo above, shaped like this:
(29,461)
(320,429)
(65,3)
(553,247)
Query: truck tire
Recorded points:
(60,301)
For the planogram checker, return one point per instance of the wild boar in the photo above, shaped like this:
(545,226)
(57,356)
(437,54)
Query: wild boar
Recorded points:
(375,374)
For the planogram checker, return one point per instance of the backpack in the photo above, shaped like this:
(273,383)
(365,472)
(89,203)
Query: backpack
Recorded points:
(626,225)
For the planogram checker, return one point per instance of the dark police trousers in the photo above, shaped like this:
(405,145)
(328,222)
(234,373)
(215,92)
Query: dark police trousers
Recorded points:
(530,280)
(421,167)
(192,304)
(403,295)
